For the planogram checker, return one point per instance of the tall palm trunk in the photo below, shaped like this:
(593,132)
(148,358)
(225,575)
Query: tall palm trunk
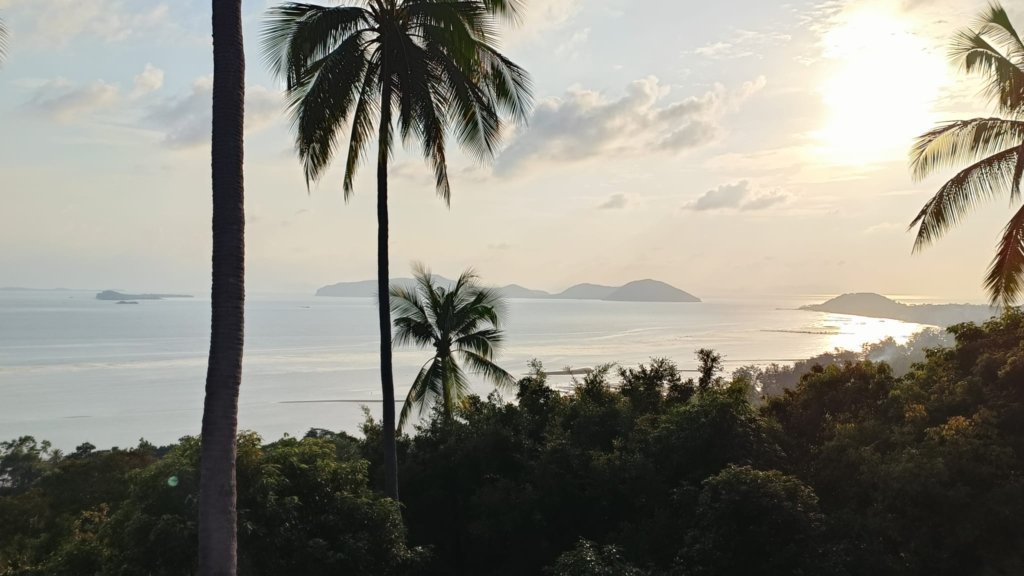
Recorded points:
(387,379)
(217,513)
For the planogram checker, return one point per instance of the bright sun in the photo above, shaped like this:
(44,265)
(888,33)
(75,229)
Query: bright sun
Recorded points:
(881,89)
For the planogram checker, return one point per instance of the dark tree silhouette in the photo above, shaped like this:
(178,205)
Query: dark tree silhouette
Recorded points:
(424,66)
(461,324)
(217,490)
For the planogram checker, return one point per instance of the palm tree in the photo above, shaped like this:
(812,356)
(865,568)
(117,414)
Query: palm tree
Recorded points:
(461,323)
(217,512)
(992,149)
(423,66)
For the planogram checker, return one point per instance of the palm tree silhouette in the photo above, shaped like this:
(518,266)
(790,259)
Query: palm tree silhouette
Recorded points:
(460,323)
(426,67)
(218,534)
(992,148)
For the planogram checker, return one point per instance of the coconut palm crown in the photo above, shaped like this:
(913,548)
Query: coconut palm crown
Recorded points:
(991,148)
(429,66)
(462,325)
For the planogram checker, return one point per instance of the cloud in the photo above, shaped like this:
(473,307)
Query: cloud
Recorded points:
(585,124)
(150,80)
(615,202)
(764,201)
(541,18)
(56,23)
(63,101)
(571,48)
(738,196)
(725,196)
(185,120)
(885,228)
(742,44)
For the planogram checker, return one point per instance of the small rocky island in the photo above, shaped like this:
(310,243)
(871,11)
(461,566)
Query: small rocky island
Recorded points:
(122,298)
(878,306)
(637,291)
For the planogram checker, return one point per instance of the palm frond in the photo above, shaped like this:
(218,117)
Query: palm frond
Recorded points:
(485,342)
(295,35)
(322,102)
(411,322)
(1005,84)
(953,144)
(1005,274)
(456,386)
(424,114)
(996,24)
(510,84)
(488,369)
(982,180)
(363,119)
(425,388)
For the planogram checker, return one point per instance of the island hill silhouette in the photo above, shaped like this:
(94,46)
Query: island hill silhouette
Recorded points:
(636,291)
(121,296)
(877,306)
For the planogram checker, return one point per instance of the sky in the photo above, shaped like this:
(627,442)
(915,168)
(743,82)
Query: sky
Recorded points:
(733,149)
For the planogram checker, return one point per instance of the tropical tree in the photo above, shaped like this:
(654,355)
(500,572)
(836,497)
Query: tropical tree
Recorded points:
(425,67)
(992,149)
(460,323)
(217,489)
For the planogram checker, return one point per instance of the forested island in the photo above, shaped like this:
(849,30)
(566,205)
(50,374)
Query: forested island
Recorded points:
(636,291)
(878,306)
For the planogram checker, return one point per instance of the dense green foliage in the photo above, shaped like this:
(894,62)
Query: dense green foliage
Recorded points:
(636,472)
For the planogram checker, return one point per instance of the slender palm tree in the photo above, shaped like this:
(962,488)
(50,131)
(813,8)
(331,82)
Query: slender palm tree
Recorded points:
(992,149)
(217,512)
(425,67)
(460,323)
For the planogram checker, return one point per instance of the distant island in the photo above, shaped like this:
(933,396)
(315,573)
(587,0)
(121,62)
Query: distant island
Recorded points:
(637,291)
(120,296)
(878,306)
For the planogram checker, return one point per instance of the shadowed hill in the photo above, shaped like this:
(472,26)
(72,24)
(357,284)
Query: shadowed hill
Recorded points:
(878,306)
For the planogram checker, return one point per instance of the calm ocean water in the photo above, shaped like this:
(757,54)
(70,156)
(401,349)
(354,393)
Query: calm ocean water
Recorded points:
(75,369)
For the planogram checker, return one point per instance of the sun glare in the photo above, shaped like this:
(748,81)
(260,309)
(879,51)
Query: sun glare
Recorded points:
(881,89)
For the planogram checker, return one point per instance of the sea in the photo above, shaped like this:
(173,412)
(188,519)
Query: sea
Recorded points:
(75,369)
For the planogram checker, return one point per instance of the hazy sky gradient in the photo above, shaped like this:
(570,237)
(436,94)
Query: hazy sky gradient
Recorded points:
(729,148)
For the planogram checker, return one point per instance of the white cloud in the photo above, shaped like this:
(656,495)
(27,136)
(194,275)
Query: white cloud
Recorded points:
(541,17)
(571,47)
(150,80)
(63,101)
(185,120)
(738,196)
(765,201)
(585,124)
(56,23)
(742,44)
